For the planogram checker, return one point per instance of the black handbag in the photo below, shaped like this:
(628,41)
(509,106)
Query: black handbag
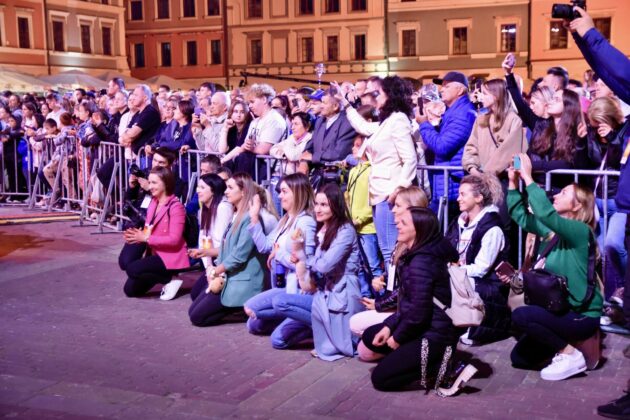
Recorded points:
(551,291)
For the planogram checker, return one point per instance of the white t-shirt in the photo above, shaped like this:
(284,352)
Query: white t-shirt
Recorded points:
(271,128)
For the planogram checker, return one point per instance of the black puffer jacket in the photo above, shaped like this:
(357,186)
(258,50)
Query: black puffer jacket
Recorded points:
(422,274)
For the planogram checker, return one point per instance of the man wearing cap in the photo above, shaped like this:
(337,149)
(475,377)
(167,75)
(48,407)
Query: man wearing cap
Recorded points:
(333,135)
(315,103)
(447,140)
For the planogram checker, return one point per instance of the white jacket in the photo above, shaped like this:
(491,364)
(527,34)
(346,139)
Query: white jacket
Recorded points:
(391,151)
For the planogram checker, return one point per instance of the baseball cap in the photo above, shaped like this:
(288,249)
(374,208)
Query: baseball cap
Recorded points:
(452,76)
(317,95)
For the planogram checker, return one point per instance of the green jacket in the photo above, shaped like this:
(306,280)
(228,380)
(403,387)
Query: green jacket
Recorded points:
(570,256)
(243,265)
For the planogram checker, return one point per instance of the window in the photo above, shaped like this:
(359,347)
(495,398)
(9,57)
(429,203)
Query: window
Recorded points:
(136,9)
(138,50)
(215,51)
(24,40)
(508,38)
(163,9)
(409,43)
(306,53)
(189,8)
(359,5)
(57,29)
(255,51)
(191,52)
(460,41)
(86,39)
(603,26)
(214,7)
(107,40)
(332,6)
(104,1)
(332,48)
(306,7)
(165,52)
(557,36)
(359,47)
(254,8)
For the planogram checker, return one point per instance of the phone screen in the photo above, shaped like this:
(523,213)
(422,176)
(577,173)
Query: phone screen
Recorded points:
(420,105)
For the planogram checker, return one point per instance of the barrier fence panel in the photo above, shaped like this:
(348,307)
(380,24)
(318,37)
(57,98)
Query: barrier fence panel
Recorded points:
(15,172)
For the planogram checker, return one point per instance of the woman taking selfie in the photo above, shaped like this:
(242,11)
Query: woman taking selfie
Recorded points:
(150,253)
(238,274)
(566,226)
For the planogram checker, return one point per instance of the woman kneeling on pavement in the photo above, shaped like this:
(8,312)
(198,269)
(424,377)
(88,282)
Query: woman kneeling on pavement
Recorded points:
(239,273)
(417,342)
(152,254)
(571,220)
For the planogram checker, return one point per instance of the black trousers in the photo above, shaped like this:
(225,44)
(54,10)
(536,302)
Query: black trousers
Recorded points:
(546,334)
(207,309)
(143,272)
(402,366)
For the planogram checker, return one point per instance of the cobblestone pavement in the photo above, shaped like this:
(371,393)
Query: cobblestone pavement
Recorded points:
(73,347)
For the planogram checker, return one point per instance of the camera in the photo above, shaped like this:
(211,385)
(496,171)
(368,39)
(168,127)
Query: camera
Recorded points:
(136,171)
(136,216)
(565,11)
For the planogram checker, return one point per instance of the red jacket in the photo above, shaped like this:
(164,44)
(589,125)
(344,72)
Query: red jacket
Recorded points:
(167,233)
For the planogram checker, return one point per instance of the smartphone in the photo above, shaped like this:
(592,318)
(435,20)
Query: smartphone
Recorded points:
(294,102)
(505,269)
(517,163)
(420,105)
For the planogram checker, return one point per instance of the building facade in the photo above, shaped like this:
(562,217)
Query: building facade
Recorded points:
(431,37)
(49,37)
(274,39)
(182,39)
(552,44)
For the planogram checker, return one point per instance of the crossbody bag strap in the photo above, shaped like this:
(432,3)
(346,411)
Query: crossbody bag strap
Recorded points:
(492,137)
(550,246)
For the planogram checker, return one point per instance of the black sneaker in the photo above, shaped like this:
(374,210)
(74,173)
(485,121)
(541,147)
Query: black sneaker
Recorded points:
(617,409)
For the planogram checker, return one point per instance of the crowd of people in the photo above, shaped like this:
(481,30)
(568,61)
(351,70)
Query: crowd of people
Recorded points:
(337,237)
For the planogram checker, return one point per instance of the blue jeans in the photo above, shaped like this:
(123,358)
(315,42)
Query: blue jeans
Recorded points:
(369,242)
(386,231)
(297,325)
(267,318)
(616,253)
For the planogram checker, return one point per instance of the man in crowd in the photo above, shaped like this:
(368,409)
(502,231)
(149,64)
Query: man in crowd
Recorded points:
(315,103)
(447,141)
(333,135)
(114,86)
(147,123)
(163,92)
(212,121)
(557,78)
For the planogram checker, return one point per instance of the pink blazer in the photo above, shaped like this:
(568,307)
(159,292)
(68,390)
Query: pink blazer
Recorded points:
(167,235)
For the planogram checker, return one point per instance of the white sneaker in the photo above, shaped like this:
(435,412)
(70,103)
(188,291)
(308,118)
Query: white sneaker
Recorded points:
(465,340)
(564,366)
(169,291)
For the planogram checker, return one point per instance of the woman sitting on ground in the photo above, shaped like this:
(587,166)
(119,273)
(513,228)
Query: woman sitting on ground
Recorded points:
(378,309)
(238,274)
(296,199)
(332,274)
(215,216)
(152,253)
(417,341)
(479,238)
(571,219)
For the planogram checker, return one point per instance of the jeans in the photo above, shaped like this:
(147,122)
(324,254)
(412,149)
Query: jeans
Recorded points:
(616,254)
(386,231)
(369,242)
(267,318)
(297,325)
(547,333)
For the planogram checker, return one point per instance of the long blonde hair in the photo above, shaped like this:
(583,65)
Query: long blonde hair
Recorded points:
(586,199)
(303,196)
(247,186)
(413,196)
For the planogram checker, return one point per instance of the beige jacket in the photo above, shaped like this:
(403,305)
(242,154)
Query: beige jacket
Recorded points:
(481,152)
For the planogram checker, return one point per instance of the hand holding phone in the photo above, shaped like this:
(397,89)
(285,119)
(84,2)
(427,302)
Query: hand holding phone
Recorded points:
(420,105)
(517,163)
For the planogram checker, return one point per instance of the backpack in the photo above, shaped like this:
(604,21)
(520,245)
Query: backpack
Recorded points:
(191,229)
(466,307)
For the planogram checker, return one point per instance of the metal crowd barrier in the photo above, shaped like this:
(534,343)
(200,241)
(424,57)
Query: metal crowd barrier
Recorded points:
(76,188)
